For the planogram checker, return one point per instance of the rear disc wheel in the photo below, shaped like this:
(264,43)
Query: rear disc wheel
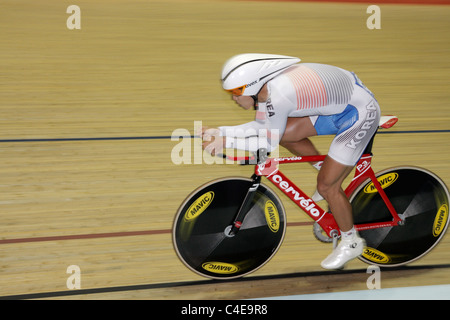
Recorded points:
(420,198)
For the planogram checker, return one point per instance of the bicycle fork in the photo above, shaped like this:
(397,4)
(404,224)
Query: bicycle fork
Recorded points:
(232,229)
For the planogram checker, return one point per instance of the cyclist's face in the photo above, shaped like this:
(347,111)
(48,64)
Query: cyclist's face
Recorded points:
(244,102)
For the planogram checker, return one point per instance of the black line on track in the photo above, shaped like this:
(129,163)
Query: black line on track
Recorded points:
(66,293)
(176,137)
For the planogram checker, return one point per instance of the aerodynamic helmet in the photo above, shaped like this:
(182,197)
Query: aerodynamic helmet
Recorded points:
(245,74)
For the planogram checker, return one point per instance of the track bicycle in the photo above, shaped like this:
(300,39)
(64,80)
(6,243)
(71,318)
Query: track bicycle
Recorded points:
(232,226)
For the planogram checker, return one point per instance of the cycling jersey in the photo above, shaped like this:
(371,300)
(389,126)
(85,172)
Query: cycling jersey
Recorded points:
(334,99)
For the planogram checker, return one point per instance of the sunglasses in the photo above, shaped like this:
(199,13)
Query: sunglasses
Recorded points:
(237,91)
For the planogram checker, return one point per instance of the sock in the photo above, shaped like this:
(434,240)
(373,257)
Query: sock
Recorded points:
(349,235)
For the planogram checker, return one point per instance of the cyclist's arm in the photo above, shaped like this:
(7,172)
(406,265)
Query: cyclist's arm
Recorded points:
(264,132)
(249,136)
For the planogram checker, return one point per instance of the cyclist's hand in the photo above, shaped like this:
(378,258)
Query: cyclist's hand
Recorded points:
(212,142)
(207,133)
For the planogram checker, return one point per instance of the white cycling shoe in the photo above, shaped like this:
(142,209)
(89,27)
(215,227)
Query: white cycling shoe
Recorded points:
(346,250)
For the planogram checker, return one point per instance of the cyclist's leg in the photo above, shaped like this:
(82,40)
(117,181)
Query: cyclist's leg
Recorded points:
(295,137)
(345,151)
(302,147)
(329,182)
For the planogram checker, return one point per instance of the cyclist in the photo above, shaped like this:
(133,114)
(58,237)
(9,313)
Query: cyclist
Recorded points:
(297,101)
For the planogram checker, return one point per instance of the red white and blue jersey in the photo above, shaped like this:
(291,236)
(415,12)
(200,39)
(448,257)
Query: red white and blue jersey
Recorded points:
(333,98)
(315,89)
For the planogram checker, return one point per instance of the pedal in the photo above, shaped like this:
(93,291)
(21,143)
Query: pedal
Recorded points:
(335,239)
(320,234)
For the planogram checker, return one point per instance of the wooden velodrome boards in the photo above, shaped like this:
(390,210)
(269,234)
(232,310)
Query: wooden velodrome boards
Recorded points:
(87,177)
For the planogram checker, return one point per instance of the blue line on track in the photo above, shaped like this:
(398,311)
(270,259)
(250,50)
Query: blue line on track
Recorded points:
(90,139)
(169,137)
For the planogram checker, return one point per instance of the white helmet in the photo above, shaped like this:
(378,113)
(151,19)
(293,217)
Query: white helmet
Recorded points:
(245,74)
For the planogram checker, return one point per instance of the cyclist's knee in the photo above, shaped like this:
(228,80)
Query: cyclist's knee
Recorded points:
(331,176)
(326,188)
(323,188)
(284,144)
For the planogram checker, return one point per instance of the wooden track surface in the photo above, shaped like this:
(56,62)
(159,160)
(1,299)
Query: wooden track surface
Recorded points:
(137,71)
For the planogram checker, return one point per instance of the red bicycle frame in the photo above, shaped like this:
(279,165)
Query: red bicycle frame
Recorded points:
(363,170)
